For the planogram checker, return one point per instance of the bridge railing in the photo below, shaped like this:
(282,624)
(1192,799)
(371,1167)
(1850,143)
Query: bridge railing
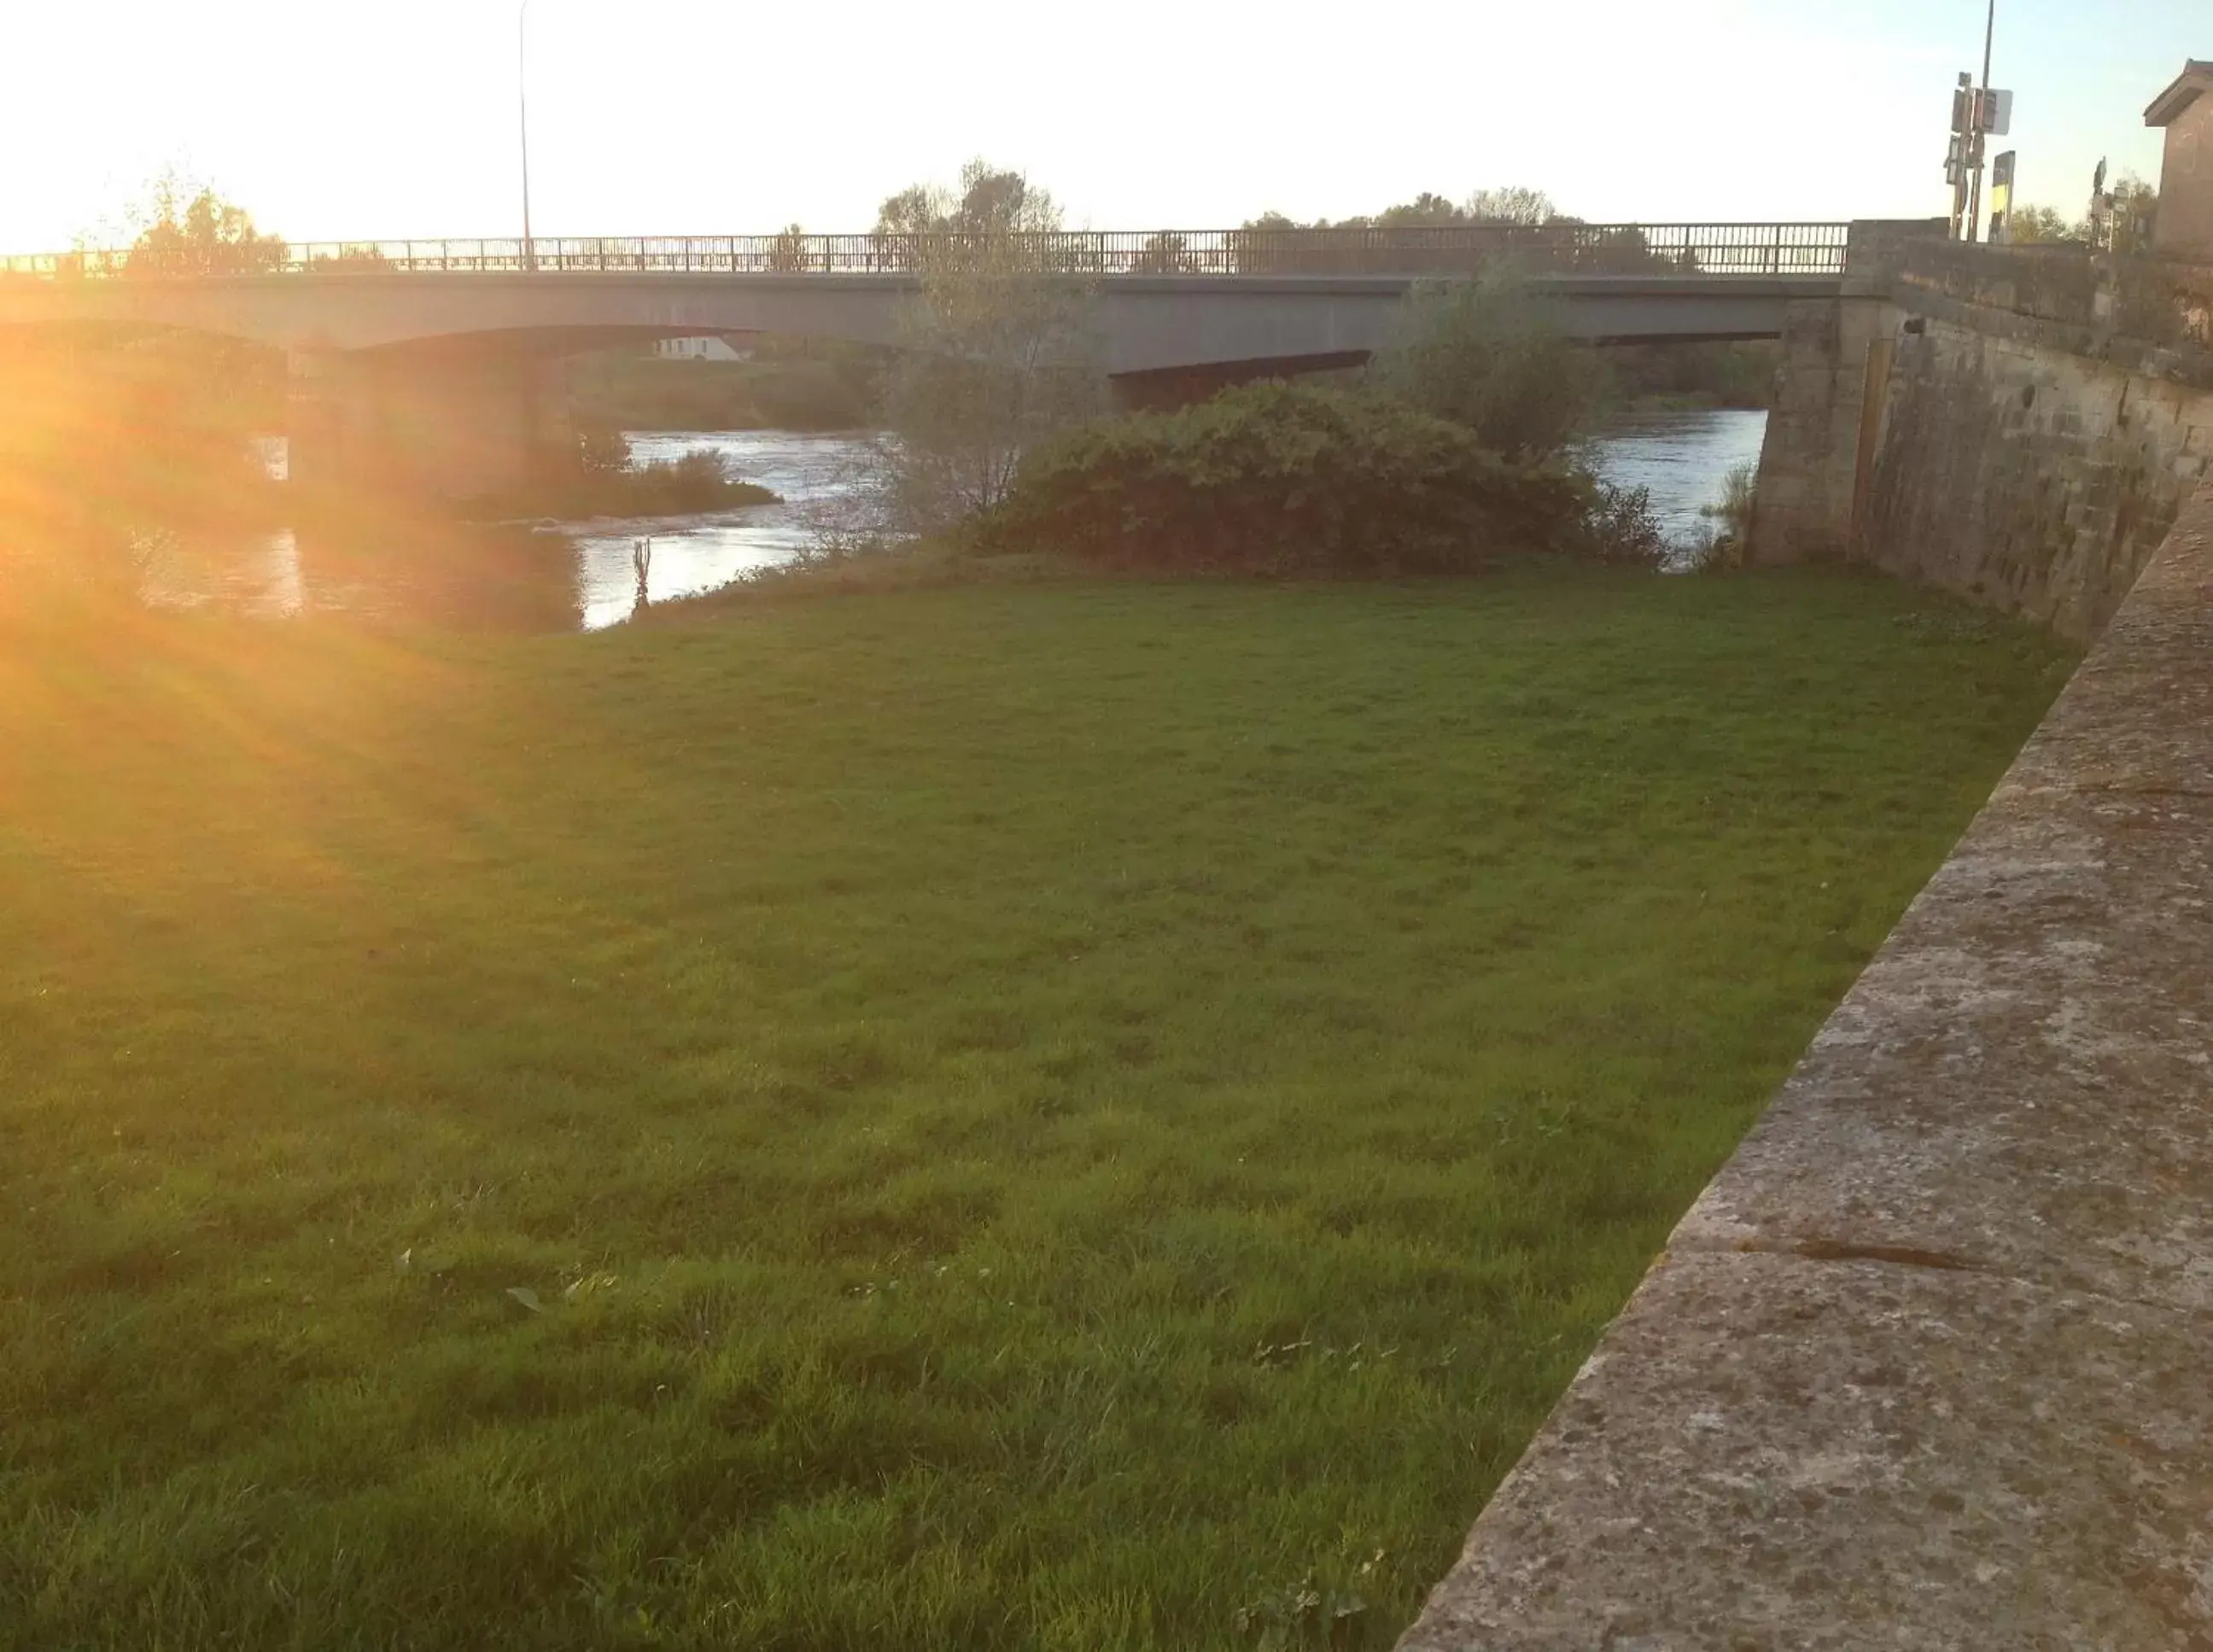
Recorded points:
(1672,249)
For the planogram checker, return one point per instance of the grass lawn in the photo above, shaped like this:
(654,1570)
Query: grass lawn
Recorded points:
(1063,1117)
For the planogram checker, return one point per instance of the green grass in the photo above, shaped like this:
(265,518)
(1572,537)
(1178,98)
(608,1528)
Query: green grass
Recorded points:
(1068,1117)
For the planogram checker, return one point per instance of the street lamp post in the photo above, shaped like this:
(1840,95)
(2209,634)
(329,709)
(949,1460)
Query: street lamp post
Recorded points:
(522,93)
(1981,101)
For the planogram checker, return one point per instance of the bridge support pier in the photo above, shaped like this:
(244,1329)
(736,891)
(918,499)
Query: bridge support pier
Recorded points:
(1823,432)
(452,423)
(1818,461)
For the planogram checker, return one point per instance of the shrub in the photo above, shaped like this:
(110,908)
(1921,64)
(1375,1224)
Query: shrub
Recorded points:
(601,449)
(1278,479)
(1724,547)
(1491,354)
(699,480)
(604,482)
(1618,527)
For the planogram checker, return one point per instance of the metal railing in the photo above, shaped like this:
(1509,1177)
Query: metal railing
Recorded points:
(1672,249)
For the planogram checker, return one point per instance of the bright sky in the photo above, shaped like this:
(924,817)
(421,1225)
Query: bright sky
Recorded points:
(365,118)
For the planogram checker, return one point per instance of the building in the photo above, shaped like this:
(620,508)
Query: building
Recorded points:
(699,350)
(2185,184)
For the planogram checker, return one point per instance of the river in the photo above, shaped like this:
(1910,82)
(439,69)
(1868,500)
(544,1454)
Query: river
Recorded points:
(586,575)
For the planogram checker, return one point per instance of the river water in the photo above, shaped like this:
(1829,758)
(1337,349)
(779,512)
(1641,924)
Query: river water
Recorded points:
(587,574)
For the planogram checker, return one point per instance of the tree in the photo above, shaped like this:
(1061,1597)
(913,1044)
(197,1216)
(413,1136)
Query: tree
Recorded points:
(1001,203)
(919,210)
(2041,226)
(928,221)
(1490,353)
(2126,230)
(788,252)
(999,350)
(2136,210)
(1166,254)
(352,257)
(1511,206)
(1424,209)
(1514,205)
(990,202)
(188,228)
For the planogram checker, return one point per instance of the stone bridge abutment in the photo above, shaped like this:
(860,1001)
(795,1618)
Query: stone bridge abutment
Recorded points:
(2019,425)
(452,424)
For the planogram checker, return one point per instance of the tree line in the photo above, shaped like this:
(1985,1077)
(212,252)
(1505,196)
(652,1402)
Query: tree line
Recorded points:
(2124,230)
(1460,434)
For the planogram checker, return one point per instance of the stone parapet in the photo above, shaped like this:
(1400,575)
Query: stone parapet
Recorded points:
(2158,304)
(1926,1365)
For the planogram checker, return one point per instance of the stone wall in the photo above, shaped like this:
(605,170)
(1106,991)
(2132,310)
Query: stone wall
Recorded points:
(1926,1367)
(2019,473)
(1813,464)
(2186,181)
(1804,510)
(458,423)
(2020,425)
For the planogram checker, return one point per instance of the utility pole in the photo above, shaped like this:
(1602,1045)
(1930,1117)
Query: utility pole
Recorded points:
(1956,153)
(1978,124)
(522,93)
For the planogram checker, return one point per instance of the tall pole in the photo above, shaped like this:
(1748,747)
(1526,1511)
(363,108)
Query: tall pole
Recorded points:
(1982,103)
(522,93)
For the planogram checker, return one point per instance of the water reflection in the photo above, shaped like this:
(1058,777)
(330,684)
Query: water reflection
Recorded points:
(815,476)
(260,578)
(566,575)
(546,576)
(400,571)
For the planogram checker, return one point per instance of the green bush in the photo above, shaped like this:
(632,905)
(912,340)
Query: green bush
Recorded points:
(699,481)
(1492,353)
(603,482)
(1279,479)
(1618,527)
(602,449)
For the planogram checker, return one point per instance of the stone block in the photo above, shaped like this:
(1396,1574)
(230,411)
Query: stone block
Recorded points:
(2023,475)
(1775,1451)
(2021,1082)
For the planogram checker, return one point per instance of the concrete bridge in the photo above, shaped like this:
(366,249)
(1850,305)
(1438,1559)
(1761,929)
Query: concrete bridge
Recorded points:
(438,363)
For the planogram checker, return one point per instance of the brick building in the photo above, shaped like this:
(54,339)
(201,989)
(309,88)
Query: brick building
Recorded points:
(2186,184)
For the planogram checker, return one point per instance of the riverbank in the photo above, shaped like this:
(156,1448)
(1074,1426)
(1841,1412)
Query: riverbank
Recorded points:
(788,392)
(1689,401)
(1079,1114)
(286,554)
(669,490)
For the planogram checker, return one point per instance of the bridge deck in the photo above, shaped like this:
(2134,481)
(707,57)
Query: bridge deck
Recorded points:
(1689,249)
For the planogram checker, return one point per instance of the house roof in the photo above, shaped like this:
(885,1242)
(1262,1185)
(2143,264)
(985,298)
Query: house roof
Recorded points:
(2167,109)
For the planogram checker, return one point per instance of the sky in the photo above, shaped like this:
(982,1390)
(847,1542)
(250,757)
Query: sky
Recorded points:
(388,119)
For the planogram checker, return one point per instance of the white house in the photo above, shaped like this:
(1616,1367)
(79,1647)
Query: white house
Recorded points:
(714,349)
